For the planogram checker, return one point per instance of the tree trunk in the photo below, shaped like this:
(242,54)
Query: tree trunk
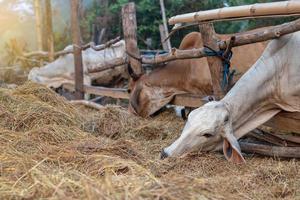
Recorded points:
(50,37)
(165,26)
(38,24)
(130,36)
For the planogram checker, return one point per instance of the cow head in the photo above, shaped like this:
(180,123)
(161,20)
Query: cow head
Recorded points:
(204,130)
(145,98)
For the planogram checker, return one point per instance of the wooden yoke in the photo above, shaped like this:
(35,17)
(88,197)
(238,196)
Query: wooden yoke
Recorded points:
(215,64)
(130,36)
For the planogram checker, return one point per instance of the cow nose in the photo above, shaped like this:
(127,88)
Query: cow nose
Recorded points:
(131,110)
(163,154)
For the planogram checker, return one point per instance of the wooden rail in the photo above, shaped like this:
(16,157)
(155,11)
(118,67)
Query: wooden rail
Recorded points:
(42,54)
(121,93)
(241,39)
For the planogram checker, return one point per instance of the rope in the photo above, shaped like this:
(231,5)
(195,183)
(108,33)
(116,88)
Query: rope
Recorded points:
(225,57)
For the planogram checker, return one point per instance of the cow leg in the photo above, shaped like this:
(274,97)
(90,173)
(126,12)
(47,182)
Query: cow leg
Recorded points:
(274,139)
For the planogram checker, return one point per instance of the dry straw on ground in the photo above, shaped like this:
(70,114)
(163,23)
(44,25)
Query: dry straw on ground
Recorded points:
(50,149)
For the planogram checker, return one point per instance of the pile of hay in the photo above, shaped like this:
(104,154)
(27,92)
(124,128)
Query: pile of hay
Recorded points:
(51,149)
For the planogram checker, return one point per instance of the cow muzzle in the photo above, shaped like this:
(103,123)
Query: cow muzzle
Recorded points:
(163,154)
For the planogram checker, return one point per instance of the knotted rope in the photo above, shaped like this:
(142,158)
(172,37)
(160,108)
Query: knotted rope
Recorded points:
(227,75)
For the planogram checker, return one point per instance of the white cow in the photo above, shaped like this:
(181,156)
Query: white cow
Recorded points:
(271,85)
(62,69)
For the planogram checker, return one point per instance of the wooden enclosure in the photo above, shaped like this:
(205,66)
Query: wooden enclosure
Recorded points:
(282,121)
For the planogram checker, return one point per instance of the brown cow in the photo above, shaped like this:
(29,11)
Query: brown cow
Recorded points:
(150,92)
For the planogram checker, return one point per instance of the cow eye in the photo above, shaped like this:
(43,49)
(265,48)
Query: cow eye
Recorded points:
(129,91)
(207,135)
(226,119)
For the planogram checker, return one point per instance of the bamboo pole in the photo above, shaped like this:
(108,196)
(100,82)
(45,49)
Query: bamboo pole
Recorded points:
(165,26)
(77,50)
(240,12)
(50,36)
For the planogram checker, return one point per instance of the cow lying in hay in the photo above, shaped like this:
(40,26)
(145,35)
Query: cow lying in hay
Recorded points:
(62,69)
(271,85)
(149,93)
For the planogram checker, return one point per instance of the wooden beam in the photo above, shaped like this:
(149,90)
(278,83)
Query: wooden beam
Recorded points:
(267,150)
(120,93)
(210,39)
(64,52)
(107,65)
(50,36)
(263,34)
(130,36)
(77,50)
(240,12)
(175,54)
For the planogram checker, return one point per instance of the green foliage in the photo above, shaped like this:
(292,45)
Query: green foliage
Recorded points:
(62,39)
(149,18)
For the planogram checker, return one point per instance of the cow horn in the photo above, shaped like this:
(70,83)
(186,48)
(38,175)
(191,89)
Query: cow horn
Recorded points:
(132,74)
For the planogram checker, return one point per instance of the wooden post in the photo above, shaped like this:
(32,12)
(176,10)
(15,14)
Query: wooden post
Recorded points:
(215,64)
(130,36)
(165,26)
(77,50)
(163,36)
(50,37)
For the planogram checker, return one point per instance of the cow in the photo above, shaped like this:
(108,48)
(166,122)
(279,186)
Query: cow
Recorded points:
(270,86)
(150,92)
(62,70)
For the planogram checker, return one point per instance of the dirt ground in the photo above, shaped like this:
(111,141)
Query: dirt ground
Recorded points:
(51,149)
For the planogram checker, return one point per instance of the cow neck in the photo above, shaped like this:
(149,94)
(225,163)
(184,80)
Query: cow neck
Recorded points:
(251,101)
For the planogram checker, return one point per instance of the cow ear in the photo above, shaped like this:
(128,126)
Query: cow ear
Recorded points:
(231,149)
